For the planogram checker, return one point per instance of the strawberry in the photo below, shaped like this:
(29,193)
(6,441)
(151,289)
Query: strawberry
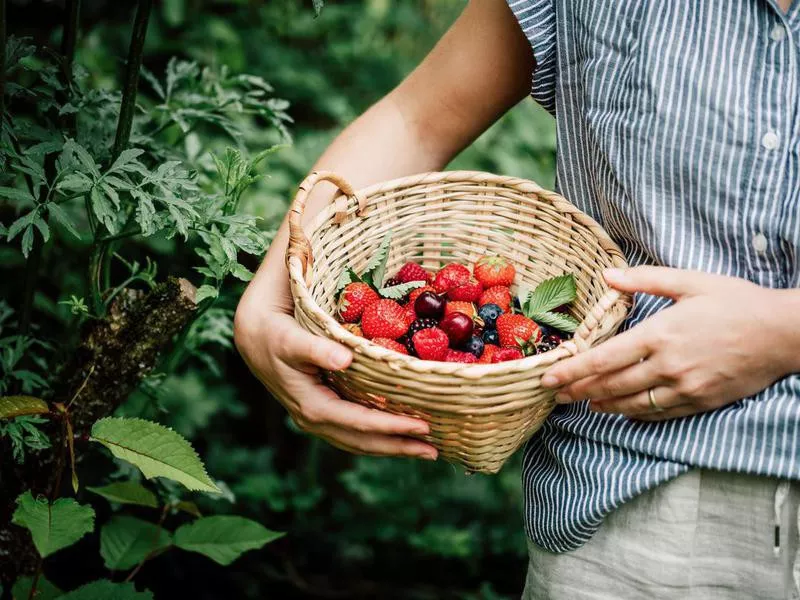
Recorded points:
(468,308)
(355,297)
(390,344)
(411,316)
(499,295)
(469,292)
(451,276)
(488,351)
(494,270)
(504,354)
(517,330)
(459,356)
(412,271)
(412,297)
(384,318)
(431,343)
(354,328)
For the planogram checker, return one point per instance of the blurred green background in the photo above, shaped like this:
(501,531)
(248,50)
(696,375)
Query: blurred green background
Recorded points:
(358,527)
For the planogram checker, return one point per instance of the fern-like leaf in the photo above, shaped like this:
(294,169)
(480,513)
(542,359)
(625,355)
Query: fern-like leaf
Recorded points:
(400,290)
(376,267)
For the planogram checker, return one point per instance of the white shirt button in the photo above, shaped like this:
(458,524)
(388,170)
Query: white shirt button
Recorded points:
(760,243)
(778,32)
(770,140)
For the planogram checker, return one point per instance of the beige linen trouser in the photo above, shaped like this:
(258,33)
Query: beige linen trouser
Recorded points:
(705,535)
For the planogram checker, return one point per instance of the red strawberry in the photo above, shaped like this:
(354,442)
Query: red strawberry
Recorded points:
(489,351)
(412,297)
(451,276)
(504,354)
(355,297)
(517,330)
(494,270)
(384,318)
(431,343)
(411,271)
(499,295)
(390,344)
(469,292)
(468,308)
(458,356)
(354,328)
(411,316)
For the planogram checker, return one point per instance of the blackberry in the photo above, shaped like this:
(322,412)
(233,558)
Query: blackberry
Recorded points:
(549,343)
(489,313)
(490,336)
(418,325)
(392,281)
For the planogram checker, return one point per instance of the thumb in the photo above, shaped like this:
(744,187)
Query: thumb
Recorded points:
(658,281)
(299,347)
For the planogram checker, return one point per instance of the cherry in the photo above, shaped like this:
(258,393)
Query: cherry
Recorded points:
(429,305)
(457,326)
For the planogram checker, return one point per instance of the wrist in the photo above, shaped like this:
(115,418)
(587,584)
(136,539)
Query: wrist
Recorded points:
(784,316)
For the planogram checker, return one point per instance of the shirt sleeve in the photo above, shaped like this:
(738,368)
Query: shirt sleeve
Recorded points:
(537,18)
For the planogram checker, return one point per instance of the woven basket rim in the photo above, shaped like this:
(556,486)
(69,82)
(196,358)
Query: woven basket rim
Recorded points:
(467,371)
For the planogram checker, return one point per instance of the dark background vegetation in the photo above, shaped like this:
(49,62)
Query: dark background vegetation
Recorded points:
(357,527)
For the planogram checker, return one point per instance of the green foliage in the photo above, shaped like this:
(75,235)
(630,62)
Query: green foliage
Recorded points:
(155,449)
(127,541)
(24,436)
(223,538)
(44,589)
(18,406)
(549,295)
(53,526)
(104,589)
(126,492)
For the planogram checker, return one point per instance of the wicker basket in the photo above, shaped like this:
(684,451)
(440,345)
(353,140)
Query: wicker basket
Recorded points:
(480,413)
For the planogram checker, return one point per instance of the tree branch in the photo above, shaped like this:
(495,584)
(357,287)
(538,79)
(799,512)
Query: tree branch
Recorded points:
(70,37)
(2,61)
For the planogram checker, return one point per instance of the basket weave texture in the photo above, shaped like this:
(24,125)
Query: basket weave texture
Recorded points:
(479,414)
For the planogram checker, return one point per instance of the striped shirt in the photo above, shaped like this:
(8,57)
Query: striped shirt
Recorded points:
(679,131)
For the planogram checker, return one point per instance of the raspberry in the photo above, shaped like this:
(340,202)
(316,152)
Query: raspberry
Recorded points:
(488,352)
(431,343)
(412,271)
(459,356)
(506,354)
(416,326)
(390,344)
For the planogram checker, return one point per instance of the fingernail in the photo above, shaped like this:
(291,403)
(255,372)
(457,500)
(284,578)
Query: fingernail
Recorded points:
(421,430)
(429,456)
(549,381)
(562,398)
(339,358)
(613,274)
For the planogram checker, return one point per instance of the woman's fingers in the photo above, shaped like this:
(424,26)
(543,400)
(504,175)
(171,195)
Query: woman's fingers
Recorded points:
(637,377)
(376,444)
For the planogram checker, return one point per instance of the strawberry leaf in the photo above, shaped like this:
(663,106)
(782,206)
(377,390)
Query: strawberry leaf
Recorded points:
(560,321)
(551,294)
(396,292)
(376,267)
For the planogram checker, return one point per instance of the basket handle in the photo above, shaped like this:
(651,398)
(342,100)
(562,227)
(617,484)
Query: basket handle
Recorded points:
(299,246)
(597,321)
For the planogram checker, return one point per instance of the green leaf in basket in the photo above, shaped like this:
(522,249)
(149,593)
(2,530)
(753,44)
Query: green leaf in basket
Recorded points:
(376,267)
(560,321)
(396,292)
(551,294)
(347,277)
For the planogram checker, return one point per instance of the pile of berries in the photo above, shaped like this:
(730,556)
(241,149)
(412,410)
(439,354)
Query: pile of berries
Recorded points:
(457,315)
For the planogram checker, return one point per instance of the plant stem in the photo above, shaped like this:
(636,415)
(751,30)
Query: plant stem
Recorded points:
(70,37)
(35,582)
(154,549)
(129,91)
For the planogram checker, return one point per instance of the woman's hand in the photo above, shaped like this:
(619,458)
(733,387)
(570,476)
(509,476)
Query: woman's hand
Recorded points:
(724,339)
(287,360)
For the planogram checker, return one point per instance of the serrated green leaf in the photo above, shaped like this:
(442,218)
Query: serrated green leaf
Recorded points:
(204,292)
(42,226)
(83,156)
(558,320)
(27,241)
(125,541)
(44,589)
(24,222)
(53,526)
(20,195)
(396,292)
(61,217)
(77,183)
(346,278)
(126,492)
(551,294)
(241,272)
(103,589)
(223,538)
(156,450)
(125,157)
(189,508)
(376,267)
(103,209)
(18,406)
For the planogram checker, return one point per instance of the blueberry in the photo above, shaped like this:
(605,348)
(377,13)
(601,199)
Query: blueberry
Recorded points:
(489,313)
(490,336)
(474,346)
